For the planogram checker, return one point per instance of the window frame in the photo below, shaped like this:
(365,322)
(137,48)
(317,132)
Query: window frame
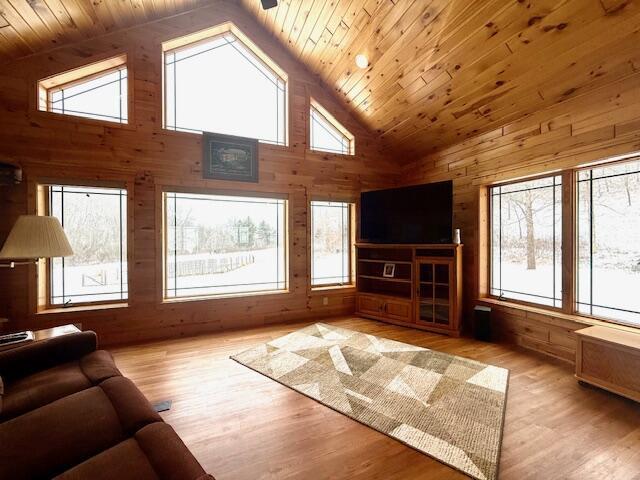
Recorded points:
(569,219)
(203,36)
(48,86)
(331,120)
(562,308)
(351,204)
(163,242)
(44,268)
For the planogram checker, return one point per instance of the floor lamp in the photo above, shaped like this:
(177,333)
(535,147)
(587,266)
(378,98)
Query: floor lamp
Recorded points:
(32,237)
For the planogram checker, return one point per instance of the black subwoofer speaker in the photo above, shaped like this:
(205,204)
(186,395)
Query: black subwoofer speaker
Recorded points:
(482,323)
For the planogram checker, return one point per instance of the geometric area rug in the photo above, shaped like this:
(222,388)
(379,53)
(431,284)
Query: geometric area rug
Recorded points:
(448,407)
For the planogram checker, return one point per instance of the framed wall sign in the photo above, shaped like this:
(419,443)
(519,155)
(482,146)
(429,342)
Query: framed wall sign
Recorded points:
(226,157)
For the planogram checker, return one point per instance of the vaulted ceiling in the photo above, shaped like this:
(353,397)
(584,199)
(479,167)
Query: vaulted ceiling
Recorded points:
(30,26)
(444,70)
(439,70)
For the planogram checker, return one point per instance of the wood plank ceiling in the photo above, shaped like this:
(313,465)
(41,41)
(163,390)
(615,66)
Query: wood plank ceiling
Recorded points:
(31,26)
(440,70)
(445,70)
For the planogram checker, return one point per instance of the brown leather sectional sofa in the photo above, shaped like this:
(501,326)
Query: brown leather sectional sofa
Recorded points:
(66,412)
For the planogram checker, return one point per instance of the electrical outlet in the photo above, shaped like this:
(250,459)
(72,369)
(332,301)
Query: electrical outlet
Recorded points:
(325,301)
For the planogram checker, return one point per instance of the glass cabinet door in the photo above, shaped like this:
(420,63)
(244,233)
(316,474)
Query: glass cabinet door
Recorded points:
(434,292)
(425,292)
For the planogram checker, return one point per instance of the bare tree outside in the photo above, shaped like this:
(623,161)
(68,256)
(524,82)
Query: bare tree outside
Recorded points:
(609,242)
(331,243)
(224,244)
(94,220)
(526,235)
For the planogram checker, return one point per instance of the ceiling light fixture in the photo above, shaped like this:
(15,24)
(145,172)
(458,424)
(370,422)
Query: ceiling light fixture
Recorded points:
(362,61)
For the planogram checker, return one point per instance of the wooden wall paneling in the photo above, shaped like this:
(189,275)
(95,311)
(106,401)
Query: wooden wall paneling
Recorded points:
(439,72)
(493,88)
(581,130)
(51,145)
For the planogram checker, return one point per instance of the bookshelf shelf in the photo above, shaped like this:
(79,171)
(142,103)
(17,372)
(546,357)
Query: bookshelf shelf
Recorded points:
(422,287)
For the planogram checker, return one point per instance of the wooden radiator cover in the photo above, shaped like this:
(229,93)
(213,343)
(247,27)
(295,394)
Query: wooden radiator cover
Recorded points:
(609,358)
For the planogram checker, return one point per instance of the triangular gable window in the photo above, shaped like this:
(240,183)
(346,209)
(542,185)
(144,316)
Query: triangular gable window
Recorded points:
(327,134)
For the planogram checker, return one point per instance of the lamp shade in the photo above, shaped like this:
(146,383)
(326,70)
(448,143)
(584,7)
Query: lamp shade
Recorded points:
(35,236)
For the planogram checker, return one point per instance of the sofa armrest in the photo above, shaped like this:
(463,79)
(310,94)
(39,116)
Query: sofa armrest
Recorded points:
(41,355)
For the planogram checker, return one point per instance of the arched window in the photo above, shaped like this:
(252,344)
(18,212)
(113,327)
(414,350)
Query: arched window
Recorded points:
(218,81)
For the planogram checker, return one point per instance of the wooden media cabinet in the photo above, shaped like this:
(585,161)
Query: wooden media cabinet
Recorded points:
(417,285)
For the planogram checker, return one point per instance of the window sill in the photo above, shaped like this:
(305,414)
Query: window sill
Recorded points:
(320,290)
(86,121)
(82,308)
(228,296)
(310,151)
(189,134)
(549,312)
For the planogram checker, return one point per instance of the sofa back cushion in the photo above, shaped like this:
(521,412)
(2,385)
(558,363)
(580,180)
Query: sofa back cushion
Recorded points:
(37,356)
(33,391)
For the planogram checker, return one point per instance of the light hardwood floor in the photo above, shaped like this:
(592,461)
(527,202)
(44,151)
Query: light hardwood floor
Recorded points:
(242,425)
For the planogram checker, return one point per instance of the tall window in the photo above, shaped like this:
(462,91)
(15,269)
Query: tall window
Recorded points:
(222,244)
(97,91)
(95,222)
(330,243)
(326,133)
(526,238)
(608,241)
(221,85)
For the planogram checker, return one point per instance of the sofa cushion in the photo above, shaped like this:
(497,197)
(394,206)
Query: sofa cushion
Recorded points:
(154,453)
(27,393)
(167,453)
(98,366)
(125,461)
(38,389)
(52,438)
(34,357)
(132,407)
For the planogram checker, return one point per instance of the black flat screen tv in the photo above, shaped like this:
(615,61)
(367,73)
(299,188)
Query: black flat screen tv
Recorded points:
(416,214)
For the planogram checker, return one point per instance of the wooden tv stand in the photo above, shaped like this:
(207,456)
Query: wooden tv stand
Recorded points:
(417,285)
